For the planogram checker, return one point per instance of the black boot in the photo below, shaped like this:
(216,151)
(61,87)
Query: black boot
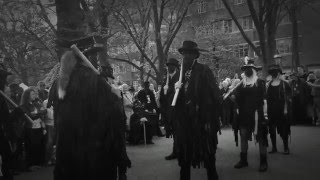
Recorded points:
(263,163)
(243,161)
(273,138)
(185,172)
(171,156)
(274,150)
(286,146)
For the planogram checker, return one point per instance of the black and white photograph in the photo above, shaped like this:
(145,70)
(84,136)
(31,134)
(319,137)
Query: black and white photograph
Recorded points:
(159,89)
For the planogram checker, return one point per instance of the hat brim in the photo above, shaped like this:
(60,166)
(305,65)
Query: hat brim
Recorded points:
(92,50)
(258,68)
(195,50)
(172,64)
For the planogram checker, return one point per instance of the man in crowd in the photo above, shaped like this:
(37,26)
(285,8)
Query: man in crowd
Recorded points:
(196,114)
(6,156)
(166,97)
(300,94)
(43,93)
(148,99)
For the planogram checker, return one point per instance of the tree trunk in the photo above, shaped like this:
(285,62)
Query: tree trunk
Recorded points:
(104,22)
(295,40)
(70,22)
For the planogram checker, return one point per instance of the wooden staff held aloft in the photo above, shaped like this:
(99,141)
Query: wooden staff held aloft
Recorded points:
(15,105)
(231,90)
(77,51)
(165,88)
(174,101)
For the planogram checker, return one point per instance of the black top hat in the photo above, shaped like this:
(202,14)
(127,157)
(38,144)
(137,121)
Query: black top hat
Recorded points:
(173,61)
(274,67)
(190,46)
(250,64)
(3,72)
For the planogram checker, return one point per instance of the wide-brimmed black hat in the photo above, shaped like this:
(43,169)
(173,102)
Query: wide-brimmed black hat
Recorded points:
(88,45)
(250,64)
(274,67)
(3,72)
(173,62)
(190,46)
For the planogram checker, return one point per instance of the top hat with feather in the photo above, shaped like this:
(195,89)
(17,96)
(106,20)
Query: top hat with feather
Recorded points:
(249,63)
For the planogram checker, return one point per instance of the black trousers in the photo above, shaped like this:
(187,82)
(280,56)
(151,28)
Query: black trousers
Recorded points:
(35,146)
(6,157)
(210,167)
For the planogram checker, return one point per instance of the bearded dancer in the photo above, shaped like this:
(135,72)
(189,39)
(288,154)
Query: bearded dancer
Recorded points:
(250,99)
(90,123)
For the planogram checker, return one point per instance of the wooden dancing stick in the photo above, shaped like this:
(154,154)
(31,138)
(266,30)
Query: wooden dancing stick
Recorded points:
(77,51)
(174,101)
(165,90)
(15,105)
(234,88)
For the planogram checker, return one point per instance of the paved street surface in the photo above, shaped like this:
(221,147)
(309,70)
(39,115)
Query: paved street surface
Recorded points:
(149,164)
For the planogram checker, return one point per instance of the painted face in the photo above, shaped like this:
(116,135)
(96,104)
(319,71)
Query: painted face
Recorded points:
(188,57)
(248,72)
(171,69)
(274,74)
(32,96)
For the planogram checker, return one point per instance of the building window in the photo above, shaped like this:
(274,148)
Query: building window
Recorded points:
(116,69)
(238,2)
(219,4)
(135,84)
(285,20)
(284,46)
(257,44)
(227,24)
(241,50)
(246,23)
(202,7)
(204,31)
(217,27)
(189,12)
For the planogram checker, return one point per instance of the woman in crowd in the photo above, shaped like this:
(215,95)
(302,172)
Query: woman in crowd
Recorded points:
(316,95)
(226,105)
(279,99)
(50,140)
(127,103)
(34,140)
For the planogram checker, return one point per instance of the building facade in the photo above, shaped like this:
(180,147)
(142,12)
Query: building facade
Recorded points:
(208,20)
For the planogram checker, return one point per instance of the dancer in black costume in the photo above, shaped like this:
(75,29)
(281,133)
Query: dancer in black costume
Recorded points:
(279,103)
(166,97)
(90,124)
(196,114)
(250,99)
